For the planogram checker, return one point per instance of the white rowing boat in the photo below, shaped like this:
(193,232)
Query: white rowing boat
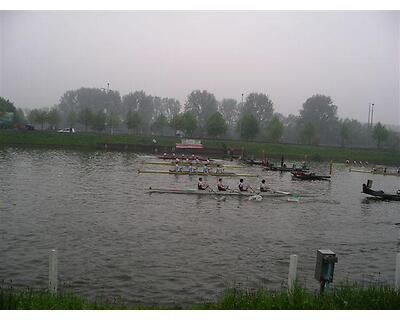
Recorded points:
(272,193)
(186,164)
(221,174)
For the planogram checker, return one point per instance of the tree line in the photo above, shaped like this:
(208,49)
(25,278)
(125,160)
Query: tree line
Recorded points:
(202,115)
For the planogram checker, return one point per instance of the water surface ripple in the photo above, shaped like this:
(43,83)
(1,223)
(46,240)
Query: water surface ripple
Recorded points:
(115,240)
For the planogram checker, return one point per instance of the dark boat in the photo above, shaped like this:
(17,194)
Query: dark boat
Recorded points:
(285,169)
(379,194)
(308,176)
(255,162)
(183,157)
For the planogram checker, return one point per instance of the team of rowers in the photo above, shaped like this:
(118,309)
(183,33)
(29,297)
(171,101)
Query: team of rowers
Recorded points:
(243,186)
(192,158)
(357,163)
(191,168)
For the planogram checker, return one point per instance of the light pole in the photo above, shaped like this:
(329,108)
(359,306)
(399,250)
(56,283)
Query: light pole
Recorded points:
(111,113)
(372,114)
(241,125)
(369,113)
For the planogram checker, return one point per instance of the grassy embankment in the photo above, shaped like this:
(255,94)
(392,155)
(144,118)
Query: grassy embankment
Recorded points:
(290,151)
(373,297)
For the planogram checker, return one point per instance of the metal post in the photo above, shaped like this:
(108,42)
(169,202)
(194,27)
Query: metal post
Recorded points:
(292,271)
(241,124)
(397,275)
(372,115)
(369,113)
(53,270)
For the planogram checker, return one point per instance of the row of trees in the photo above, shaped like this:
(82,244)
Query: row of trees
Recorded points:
(203,115)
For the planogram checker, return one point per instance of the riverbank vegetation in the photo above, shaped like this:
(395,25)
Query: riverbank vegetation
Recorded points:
(346,297)
(255,118)
(89,140)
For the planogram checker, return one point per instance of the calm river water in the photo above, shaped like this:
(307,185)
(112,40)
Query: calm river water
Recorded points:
(114,240)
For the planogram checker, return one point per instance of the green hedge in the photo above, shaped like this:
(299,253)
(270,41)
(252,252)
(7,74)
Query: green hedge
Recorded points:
(256,149)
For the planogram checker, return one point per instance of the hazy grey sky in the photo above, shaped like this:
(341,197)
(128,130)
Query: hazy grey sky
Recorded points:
(351,56)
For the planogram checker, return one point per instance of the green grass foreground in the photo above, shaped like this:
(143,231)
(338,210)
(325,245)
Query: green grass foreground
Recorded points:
(89,140)
(354,297)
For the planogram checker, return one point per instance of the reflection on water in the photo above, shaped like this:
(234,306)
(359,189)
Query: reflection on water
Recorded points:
(115,240)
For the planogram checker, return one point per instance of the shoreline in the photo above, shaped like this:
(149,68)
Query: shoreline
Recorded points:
(213,148)
(341,297)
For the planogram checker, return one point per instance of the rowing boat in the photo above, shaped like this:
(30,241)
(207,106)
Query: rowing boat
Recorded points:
(223,174)
(375,172)
(284,169)
(379,194)
(308,176)
(183,157)
(219,193)
(160,163)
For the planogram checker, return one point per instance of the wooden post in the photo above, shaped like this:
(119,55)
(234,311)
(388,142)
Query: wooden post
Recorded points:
(292,271)
(397,276)
(53,269)
(330,167)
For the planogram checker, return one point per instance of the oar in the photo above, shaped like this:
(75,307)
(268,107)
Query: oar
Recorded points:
(218,199)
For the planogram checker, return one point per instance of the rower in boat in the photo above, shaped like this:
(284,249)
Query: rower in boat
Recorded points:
(190,168)
(201,185)
(297,172)
(218,169)
(178,168)
(221,186)
(263,186)
(205,169)
(243,187)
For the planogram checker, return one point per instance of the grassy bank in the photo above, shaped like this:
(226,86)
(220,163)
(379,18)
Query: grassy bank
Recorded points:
(257,149)
(354,297)
(86,140)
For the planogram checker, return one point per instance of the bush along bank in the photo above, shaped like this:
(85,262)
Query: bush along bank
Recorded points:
(92,140)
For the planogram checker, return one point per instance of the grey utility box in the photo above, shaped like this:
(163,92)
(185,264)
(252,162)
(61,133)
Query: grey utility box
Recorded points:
(325,265)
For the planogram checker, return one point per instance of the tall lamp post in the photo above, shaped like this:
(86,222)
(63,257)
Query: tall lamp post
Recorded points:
(241,125)
(370,114)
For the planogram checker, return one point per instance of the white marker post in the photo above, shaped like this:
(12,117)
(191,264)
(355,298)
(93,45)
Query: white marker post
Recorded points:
(397,275)
(292,271)
(53,269)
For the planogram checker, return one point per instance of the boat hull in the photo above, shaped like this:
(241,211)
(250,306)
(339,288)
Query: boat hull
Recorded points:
(283,169)
(375,172)
(219,193)
(309,177)
(211,165)
(380,194)
(224,174)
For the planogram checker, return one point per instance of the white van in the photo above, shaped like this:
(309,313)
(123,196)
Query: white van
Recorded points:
(67,130)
